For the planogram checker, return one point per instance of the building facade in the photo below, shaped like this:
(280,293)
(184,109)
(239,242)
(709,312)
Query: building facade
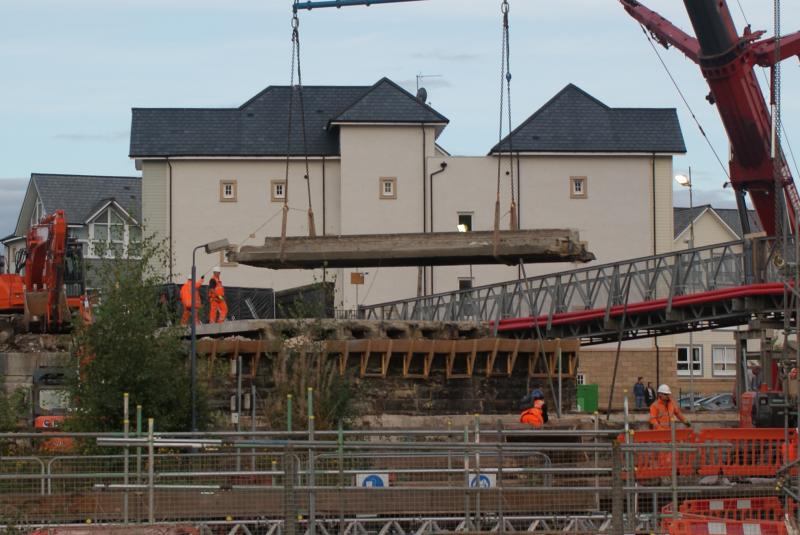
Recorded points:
(374,166)
(103,214)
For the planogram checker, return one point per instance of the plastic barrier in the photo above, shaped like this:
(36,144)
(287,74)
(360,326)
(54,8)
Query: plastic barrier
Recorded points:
(726,527)
(652,464)
(741,509)
(743,452)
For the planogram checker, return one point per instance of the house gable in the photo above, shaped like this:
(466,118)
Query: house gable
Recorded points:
(575,122)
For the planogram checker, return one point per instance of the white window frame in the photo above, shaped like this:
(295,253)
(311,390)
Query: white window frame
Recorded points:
(223,195)
(103,219)
(382,193)
(471,216)
(698,360)
(274,194)
(584,187)
(727,351)
(580,378)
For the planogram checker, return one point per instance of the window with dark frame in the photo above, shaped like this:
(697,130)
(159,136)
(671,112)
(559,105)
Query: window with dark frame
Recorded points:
(683,361)
(465,221)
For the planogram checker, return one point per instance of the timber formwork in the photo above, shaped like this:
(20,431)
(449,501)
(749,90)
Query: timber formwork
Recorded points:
(415,358)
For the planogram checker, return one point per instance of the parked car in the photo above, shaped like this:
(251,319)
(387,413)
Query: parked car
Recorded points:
(718,402)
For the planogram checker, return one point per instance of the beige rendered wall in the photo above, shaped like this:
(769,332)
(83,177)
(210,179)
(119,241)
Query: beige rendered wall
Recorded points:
(199,216)
(709,229)
(616,219)
(368,154)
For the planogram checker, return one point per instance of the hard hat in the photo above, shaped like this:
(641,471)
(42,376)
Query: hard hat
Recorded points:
(664,389)
(537,394)
(217,269)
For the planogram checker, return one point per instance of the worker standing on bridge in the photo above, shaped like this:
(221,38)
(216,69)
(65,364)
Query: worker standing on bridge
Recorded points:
(664,410)
(218,309)
(186,300)
(535,416)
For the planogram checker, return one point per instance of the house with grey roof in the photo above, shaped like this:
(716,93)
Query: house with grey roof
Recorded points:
(366,160)
(103,212)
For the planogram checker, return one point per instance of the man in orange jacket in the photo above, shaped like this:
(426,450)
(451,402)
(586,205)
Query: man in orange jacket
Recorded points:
(663,410)
(218,309)
(535,416)
(186,300)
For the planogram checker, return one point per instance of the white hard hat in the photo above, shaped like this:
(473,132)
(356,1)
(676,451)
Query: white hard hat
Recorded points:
(664,389)
(217,269)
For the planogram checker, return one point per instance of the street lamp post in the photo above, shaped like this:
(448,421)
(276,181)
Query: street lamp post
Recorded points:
(686,181)
(211,247)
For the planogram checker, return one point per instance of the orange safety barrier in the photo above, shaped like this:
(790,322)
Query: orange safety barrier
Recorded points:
(743,452)
(741,509)
(726,527)
(652,464)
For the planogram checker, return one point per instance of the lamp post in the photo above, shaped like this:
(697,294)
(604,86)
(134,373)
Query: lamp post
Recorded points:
(686,181)
(211,247)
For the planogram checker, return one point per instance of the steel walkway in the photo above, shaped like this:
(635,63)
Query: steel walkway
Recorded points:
(695,289)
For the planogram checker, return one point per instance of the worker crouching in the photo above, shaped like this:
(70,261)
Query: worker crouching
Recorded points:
(536,415)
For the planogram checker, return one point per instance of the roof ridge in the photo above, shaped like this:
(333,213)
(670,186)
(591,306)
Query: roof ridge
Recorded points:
(569,86)
(36,175)
(395,86)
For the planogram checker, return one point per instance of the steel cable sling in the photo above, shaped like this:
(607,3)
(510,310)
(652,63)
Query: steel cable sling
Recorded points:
(295,64)
(505,93)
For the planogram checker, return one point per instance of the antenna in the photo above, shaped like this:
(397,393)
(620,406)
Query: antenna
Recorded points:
(420,76)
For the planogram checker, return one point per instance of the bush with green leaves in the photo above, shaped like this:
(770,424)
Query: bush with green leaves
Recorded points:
(134,345)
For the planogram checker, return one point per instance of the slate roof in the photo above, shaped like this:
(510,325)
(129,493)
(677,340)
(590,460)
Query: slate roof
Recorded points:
(682,217)
(259,126)
(574,121)
(80,196)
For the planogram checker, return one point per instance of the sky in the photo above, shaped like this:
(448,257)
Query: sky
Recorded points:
(70,72)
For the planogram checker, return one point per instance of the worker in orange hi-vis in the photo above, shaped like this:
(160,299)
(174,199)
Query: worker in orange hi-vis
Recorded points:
(218,308)
(664,410)
(536,416)
(186,300)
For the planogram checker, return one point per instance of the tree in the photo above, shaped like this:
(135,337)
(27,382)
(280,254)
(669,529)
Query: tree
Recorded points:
(132,345)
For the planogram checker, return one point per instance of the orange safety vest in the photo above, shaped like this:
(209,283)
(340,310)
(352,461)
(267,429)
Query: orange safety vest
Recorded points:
(533,416)
(220,287)
(662,413)
(186,294)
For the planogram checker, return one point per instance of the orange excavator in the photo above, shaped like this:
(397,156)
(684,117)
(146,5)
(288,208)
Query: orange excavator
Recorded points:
(49,280)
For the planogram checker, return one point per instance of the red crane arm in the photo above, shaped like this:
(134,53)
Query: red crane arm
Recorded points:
(764,51)
(726,61)
(663,30)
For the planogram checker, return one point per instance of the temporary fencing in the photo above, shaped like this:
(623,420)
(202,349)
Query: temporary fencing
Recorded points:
(426,481)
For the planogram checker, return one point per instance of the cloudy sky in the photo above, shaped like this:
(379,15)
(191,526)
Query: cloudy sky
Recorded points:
(71,71)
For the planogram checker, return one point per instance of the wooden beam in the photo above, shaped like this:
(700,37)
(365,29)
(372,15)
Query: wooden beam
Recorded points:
(418,249)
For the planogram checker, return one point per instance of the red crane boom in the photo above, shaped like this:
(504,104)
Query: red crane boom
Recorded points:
(726,61)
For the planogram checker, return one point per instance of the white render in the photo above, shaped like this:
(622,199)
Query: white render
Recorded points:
(627,213)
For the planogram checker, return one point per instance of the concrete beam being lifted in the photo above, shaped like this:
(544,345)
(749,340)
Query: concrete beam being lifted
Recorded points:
(429,249)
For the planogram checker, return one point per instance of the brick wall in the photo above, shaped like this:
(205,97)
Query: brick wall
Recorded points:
(598,368)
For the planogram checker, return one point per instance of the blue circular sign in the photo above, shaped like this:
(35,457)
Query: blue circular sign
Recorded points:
(480,481)
(372,481)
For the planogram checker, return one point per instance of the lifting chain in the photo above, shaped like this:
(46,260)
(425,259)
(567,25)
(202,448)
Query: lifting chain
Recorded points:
(295,63)
(505,94)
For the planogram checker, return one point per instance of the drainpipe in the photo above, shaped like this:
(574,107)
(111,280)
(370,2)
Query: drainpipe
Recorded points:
(424,203)
(171,275)
(655,251)
(323,196)
(442,167)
